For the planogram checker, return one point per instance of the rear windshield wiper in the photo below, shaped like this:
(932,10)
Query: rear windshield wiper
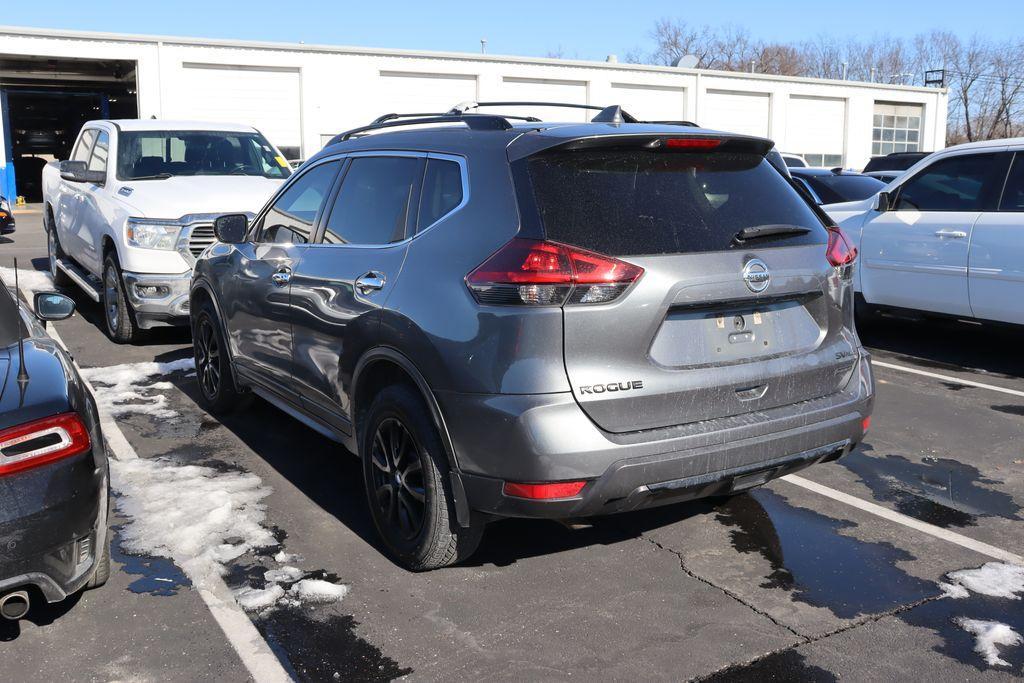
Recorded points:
(155,176)
(758,231)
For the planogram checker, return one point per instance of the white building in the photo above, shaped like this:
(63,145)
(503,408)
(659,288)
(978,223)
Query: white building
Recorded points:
(300,95)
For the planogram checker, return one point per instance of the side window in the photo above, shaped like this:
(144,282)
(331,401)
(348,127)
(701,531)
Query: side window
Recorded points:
(442,191)
(290,220)
(84,146)
(951,184)
(374,201)
(100,152)
(1013,193)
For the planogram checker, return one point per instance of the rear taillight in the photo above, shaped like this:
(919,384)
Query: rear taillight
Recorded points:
(840,250)
(542,273)
(42,441)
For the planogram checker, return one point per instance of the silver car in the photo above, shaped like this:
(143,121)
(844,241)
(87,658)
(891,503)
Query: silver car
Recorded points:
(536,319)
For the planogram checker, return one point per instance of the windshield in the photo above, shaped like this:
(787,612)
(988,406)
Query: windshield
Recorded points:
(625,202)
(161,154)
(833,189)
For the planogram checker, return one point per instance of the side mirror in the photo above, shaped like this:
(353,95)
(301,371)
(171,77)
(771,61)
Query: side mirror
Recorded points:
(78,172)
(53,306)
(883,202)
(231,229)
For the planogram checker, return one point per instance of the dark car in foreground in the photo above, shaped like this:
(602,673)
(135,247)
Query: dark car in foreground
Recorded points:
(831,186)
(53,468)
(530,319)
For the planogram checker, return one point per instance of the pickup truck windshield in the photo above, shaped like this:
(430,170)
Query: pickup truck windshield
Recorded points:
(162,154)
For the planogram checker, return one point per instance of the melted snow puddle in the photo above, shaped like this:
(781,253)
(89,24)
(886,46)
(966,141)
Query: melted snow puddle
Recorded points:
(994,580)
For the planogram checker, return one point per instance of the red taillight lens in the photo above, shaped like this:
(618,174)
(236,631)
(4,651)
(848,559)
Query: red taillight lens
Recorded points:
(840,250)
(42,441)
(692,143)
(548,273)
(562,489)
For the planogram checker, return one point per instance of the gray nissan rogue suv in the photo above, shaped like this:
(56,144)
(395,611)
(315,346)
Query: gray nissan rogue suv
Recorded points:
(506,317)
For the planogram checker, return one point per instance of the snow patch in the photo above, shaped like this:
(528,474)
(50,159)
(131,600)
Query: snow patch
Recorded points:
(257,599)
(989,634)
(124,386)
(30,281)
(197,516)
(995,579)
(284,557)
(285,574)
(954,590)
(318,591)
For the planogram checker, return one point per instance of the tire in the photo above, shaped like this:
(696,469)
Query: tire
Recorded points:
(118,315)
(54,253)
(214,374)
(402,451)
(102,571)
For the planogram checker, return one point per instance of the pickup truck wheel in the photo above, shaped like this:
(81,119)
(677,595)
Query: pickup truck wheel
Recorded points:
(55,253)
(407,484)
(117,312)
(217,392)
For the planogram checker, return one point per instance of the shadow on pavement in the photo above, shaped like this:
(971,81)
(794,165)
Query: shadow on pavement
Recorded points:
(41,613)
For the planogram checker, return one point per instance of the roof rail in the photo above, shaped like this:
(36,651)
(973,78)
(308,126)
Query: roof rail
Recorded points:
(474,121)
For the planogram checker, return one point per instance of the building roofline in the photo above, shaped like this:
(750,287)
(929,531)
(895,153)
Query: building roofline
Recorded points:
(25,31)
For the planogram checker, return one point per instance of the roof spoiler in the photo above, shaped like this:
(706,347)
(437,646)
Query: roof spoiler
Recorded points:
(667,142)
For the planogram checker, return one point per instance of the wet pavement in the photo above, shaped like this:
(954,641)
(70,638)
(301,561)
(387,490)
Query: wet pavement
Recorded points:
(777,584)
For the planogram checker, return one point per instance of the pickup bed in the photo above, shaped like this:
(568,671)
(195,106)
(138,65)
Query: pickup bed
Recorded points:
(129,212)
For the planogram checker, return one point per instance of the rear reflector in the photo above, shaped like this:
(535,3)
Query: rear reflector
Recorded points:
(692,143)
(562,489)
(840,250)
(546,273)
(42,441)
(865,424)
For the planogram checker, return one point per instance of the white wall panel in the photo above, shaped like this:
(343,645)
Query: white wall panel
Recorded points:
(736,112)
(410,92)
(650,102)
(546,90)
(816,126)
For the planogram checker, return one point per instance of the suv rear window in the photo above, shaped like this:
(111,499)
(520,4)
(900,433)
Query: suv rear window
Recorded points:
(636,202)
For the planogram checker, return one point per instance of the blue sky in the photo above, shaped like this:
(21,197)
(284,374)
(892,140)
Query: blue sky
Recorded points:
(587,30)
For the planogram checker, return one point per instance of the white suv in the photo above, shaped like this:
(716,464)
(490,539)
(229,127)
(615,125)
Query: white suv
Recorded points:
(946,237)
(129,212)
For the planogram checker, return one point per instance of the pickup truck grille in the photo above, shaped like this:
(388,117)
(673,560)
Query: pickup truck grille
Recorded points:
(200,238)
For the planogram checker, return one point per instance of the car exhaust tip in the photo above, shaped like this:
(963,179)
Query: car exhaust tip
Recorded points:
(14,605)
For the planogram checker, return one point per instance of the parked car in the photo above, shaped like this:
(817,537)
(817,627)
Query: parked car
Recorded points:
(945,238)
(894,161)
(538,320)
(831,186)
(884,176)
(54,483)
(131,210)
(794,160)
(7,224)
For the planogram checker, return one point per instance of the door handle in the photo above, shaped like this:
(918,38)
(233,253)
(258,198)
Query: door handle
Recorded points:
(370,282)
(282,277)
(954,234)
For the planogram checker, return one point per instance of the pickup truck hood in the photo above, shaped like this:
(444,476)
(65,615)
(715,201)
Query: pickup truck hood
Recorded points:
(182,195)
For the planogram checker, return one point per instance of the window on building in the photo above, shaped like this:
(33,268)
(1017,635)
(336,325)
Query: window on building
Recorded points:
(897,128)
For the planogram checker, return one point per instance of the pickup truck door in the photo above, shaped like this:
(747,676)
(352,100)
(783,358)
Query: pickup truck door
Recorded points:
(93,221)
(255,290)
(996,268)
(346,277)
(67,209)
(916,254)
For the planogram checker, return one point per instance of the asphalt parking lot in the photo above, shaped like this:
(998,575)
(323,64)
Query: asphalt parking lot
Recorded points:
(809,578)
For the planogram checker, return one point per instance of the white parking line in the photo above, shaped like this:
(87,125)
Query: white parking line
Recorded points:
(947,378)
(899,518)
(252,649)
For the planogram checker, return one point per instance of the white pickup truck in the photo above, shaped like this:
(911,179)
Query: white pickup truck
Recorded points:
(129,212)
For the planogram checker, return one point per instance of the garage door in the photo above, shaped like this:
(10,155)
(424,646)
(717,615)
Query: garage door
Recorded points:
(268,99)
(736,112)
(650,103)
(547,90)
(405,93)
(816,129)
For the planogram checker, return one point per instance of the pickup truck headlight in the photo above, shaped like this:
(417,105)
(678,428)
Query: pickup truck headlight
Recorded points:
(145,235)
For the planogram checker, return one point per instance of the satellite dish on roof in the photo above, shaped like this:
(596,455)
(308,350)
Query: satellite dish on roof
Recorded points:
(687,62)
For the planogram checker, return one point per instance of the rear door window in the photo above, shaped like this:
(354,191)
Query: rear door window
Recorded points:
(1013,192)
(639,202)
(374,203)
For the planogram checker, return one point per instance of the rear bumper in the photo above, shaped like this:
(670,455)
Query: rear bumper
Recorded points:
(548,438)
(52,524)
(159,299)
